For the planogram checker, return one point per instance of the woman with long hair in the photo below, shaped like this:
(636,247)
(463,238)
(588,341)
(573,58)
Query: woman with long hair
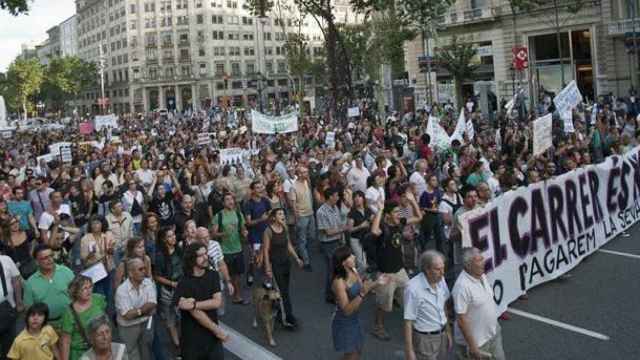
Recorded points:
(18,245)
(275,194)
(277,250)
(350,291)
(167,272)
(150,229)
(96,246)
(134,249)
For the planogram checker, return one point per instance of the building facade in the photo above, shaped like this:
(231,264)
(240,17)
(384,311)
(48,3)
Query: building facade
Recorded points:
(181,54)
(587,45)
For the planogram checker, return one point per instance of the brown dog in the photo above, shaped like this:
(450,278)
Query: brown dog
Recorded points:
(265,299)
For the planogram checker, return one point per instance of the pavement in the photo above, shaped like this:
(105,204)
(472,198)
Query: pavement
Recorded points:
(591,314)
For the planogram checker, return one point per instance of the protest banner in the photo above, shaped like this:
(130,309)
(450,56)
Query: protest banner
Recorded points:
(105,121)
(439,137)
(461,126)
(204,139)
(542,139)
(65,154)
(86,128)
(567,118)
(265,124)
(353,112)
(330,139)
(54,148)
(568,98)
(537,233)
(231,156)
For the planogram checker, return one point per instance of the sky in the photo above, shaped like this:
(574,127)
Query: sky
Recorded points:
(30,28)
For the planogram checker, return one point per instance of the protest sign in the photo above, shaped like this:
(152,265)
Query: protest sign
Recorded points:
(265,124)
(46,157)
(65,154)
(54,148)
(204,139)
(567,118)
(439,137)
(330,139)
(86,128)
(231,156)
(353,111)
(542,139)
(105,121)
(568,98)
(535,234)
(471,132)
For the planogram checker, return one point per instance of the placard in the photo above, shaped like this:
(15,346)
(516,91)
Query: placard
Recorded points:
(353,111)
(542,139)
(86,128)
(65,154)
(204,139)
(568,98)
(265,124)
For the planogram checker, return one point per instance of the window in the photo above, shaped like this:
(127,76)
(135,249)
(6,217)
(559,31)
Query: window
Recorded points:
(203,68)
(166,21)
(268,65)
(282,67)
(182,20)
(184,38)
(232,4)
(153,73)
(133,24)
(267,36)
(235,68)
(236,84)
(277,22)
(233,36)
(280,36)
(234,51)
(251,68)
(247,36)
(217,19)
(182,4)
(249,51)
(149,23)
(132,9)
(199,19)
(220,69)
(201,52)
(268,51)
(247,20)
(234,20)
(217,35)
(169,72)
(165,6)
(198,4)
(219,85)
(185,70)
(218,51)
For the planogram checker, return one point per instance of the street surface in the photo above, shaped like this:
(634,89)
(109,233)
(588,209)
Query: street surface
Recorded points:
(592,314)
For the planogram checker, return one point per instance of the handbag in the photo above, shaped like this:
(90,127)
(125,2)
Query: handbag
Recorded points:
(8,313)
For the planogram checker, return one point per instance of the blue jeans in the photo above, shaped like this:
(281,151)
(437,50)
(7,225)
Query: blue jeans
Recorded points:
(328,249)
(305,231)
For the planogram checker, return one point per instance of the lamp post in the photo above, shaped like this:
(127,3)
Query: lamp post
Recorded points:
(101,65)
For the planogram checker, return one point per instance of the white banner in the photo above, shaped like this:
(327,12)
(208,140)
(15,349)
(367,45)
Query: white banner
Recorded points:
(542,139)
(265,124)
(54,148)
(204,139)
(567,118)
(568,98)
(461,126)
(537,233)
(103,121)
(232,156)
(353,111)
(439,137)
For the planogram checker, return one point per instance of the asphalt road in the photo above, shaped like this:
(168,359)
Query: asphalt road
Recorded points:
(601,295)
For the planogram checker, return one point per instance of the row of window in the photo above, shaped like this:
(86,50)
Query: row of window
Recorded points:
(219,69)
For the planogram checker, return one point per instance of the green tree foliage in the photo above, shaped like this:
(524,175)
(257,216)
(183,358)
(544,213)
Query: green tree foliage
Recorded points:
(24,79)
(65,78)
(456,59)
(15,7)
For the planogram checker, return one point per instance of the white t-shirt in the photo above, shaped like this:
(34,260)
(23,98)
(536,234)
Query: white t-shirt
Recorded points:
(46,219)
(474,298)
(10,271)
(146,176)
(373,195)
(357,178)
(418,180)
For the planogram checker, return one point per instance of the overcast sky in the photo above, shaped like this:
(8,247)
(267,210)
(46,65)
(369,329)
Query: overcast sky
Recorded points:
(30,28)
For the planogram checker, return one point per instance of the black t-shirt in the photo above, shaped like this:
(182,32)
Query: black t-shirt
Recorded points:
(196,339)
(164,208)
(390,249)
(358,218)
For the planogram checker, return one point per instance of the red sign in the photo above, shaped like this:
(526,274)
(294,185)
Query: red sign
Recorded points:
(86,128)
(520,58)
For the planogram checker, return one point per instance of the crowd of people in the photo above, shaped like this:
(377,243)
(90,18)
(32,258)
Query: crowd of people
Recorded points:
(147,227)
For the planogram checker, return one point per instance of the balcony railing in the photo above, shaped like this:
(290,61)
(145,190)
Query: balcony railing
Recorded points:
(152,61)
(185,59)
(167,44)
(624,26)
(457,17)
(168,60)
(151,44)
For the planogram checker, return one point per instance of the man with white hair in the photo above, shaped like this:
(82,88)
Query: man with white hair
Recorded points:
(477,332)
(418,177)
(426,304)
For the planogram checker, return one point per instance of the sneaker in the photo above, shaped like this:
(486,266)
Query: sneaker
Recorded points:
(249,280)
(307,268)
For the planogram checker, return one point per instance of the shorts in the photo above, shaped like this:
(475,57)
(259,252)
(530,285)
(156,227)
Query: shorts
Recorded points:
(395,286)
(235,263)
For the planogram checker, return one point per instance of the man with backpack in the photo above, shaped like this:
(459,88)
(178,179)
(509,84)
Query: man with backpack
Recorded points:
(228,228)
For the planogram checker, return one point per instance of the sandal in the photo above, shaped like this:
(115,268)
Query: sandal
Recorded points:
(241,302)
(380,334)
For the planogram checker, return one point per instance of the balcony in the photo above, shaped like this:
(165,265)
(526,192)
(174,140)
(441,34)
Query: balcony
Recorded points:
(152,61)
(184,43)
(623,26)
(168,60)
(151,44)
(167,44)
(185,59)
(458,17)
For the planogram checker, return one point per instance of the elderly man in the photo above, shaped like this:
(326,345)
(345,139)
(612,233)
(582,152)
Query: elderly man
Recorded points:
(135,303)
(426,304)
(477,332)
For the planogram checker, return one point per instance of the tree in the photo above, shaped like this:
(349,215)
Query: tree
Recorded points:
(15,7)
(25,78)
(456,59)
(65,78)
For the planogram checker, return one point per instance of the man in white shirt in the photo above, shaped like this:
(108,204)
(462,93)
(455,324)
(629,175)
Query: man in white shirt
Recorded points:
(53,216)
(11,291)
(477,332)
(417,178)
(358,175)
(426,301)
(135,303)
